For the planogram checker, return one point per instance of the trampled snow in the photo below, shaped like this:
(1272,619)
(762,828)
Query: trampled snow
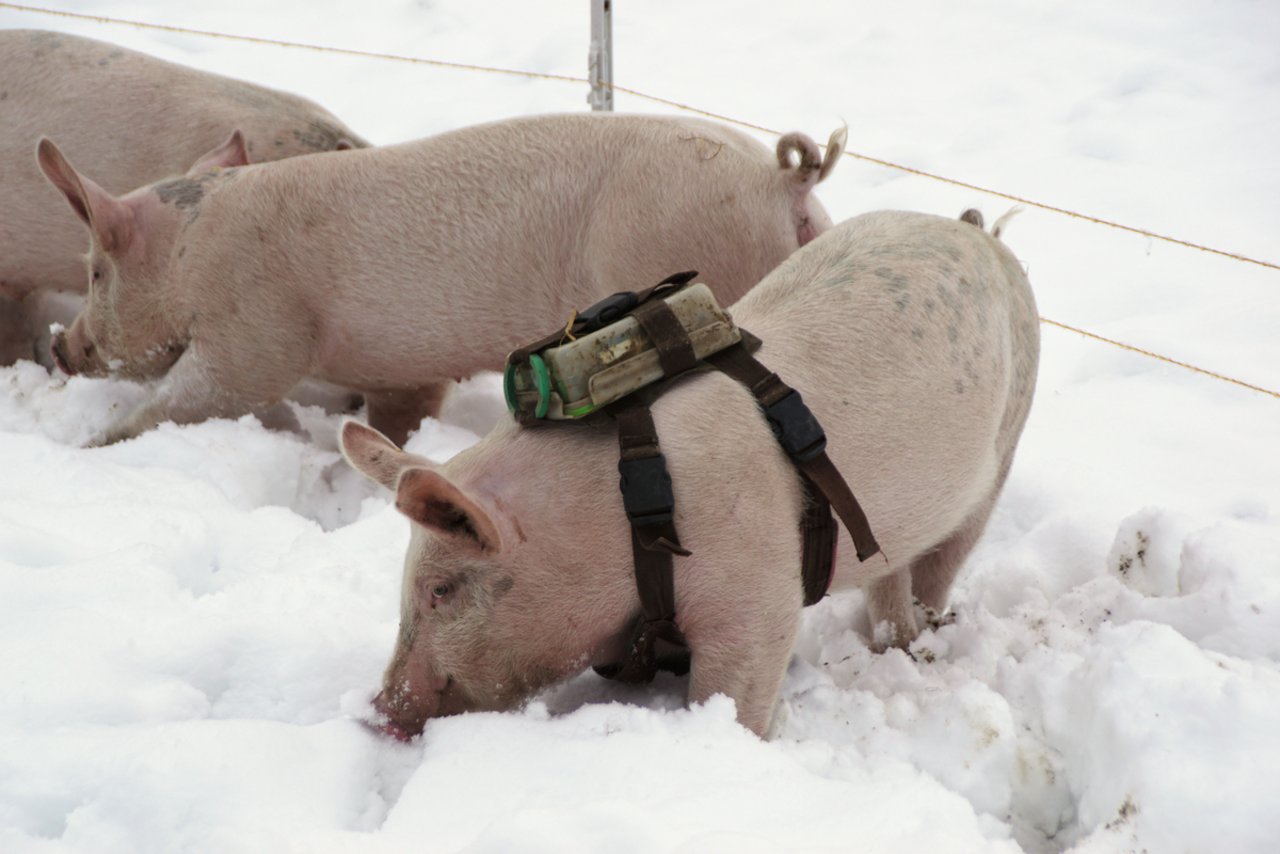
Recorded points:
(192,623)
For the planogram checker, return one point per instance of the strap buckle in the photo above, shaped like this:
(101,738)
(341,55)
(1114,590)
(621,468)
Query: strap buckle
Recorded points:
(646,490)
(795,428)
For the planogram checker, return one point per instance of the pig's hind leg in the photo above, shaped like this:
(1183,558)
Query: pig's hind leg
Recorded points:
(926,581)
(395,414)
(15,342)
(933,572)
(891,610)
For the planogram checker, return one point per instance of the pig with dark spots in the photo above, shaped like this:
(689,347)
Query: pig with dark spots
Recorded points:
(129,120)
(519,568)
(392,271)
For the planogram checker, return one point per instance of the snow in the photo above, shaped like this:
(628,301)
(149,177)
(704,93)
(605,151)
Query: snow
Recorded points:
(192,623)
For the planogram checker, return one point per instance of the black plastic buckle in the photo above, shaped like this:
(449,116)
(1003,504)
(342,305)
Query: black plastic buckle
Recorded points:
(795,428)
(608,310)
(646,490)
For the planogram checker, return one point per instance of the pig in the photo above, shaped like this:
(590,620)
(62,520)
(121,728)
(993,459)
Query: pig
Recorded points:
(392,271)
(132,120)
(914,339)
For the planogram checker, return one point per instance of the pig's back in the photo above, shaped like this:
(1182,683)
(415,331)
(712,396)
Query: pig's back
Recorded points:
(124,119)
(499,230)
(914,339)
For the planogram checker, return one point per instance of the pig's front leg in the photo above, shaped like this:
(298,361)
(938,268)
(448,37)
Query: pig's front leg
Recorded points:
(747,661)
(191,392)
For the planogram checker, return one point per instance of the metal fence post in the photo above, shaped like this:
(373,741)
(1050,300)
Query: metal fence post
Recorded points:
(600,56)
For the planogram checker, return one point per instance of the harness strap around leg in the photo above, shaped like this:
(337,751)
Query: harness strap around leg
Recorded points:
(818,544)
(650,506)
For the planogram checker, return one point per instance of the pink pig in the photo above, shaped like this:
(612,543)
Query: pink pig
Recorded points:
(129,118)
(914,340)
(392,270)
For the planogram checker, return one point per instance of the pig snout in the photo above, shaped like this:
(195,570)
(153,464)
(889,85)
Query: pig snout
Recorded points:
(401,713)
(404,705)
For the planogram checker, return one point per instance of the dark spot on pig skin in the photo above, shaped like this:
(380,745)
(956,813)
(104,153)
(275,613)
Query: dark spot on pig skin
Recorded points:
(503,587)
(959,387)
(183,193)
(319,136)
(4,96)
(917,333)
(948,299)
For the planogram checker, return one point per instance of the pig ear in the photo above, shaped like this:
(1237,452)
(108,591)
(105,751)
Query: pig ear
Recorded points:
(230,154)
(344,144)
(109,219)
(371,453)
(429,499)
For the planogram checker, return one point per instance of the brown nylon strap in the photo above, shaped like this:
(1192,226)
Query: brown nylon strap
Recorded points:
(768,389)
(818,544)
(675,350)
(651,545)
(826,477)
(643,661)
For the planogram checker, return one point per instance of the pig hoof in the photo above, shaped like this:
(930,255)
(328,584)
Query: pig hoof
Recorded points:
(59,360)
(931,618)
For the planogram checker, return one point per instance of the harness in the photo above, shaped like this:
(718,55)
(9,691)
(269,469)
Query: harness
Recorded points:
(539,395)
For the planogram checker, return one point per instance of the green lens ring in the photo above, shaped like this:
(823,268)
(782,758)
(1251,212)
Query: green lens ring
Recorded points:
(542,380)
(585,409)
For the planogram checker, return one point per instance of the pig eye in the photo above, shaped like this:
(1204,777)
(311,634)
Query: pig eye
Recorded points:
(440,591)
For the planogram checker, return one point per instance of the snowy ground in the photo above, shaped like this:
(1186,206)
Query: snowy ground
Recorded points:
(191,622)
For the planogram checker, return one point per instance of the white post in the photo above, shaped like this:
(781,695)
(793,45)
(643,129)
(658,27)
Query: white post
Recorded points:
(600,57)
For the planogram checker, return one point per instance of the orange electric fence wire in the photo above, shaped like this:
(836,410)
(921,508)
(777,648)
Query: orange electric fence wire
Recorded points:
(1152,355)
(728,119)
(567,78)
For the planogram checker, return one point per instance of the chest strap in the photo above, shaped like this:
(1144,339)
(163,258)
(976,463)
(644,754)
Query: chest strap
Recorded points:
(650,502)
